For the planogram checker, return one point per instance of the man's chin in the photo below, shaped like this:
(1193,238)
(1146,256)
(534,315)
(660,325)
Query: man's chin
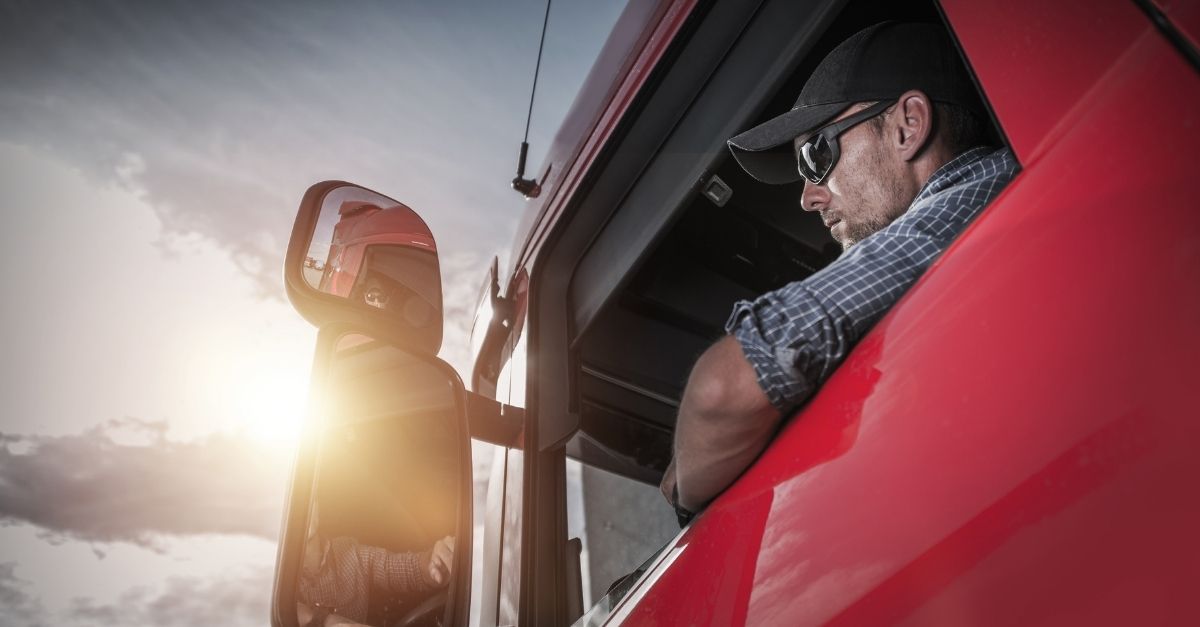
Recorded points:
(843,238)
(838,233)
(848,235)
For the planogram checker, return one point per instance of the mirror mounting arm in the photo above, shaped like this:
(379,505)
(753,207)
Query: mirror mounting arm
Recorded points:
(502,308)
(499,326)
(494,422)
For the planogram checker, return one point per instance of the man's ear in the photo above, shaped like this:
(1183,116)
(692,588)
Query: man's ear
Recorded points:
(913,119)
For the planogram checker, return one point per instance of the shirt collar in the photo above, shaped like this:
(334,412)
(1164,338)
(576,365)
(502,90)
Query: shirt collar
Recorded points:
(952,172)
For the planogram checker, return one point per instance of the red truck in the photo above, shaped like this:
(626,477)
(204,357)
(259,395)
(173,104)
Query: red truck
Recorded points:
(1015,443)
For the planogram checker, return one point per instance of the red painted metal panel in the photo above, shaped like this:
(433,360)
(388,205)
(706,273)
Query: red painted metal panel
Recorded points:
(1037,61)
(1015,443)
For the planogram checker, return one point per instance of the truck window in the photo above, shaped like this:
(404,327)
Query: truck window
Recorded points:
(619,521)
(644,313)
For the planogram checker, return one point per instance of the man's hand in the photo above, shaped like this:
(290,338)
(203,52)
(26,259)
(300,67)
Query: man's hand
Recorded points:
(725,421)
(436,563)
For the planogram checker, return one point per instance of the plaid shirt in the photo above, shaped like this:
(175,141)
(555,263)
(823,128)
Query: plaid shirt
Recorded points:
(795,336)
(349,571)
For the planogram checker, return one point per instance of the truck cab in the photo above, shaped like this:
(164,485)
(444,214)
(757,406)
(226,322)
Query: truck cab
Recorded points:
(1013,443)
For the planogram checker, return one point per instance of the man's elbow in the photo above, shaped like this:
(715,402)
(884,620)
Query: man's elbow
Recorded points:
(725,421)
(724,385)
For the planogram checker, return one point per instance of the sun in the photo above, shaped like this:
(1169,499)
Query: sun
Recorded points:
(268,399)
(250,380)
(271,407)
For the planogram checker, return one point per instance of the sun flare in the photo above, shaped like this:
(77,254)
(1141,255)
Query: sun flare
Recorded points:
(265,398)
(270,406)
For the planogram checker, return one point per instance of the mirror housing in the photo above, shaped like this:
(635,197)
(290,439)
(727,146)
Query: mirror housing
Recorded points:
(360,258)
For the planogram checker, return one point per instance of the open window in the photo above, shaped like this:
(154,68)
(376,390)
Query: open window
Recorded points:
(693,235)
(643,314)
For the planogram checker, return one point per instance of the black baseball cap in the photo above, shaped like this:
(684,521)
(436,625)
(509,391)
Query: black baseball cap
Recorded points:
(879,62)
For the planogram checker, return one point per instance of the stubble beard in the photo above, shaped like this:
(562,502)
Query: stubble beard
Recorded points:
(886,194)
(859,231)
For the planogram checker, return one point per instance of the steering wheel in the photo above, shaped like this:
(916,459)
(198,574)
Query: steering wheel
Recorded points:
(424,611)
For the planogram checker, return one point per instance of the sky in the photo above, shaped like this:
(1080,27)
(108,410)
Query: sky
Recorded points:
(152,156)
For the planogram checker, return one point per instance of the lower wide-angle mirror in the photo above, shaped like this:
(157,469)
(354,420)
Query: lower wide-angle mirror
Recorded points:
(384,536)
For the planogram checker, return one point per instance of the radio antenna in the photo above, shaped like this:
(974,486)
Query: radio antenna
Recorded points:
(530,188)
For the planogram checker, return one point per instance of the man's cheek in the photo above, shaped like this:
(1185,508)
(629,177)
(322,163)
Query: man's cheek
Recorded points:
(834,186)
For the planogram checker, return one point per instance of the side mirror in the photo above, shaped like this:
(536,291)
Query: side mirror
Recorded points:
(359,257)
(377,523)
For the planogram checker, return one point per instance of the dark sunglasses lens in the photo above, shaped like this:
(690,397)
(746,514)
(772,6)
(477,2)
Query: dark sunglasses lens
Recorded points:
(816,158)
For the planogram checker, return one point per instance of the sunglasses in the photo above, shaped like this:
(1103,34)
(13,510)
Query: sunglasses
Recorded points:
(816,157)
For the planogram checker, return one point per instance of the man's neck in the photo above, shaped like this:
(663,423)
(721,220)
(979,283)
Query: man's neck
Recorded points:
(929,162)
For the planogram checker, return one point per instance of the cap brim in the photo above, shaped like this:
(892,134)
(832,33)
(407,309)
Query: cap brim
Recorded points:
(765,151)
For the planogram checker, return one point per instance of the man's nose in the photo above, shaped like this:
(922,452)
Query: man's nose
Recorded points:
(814,197)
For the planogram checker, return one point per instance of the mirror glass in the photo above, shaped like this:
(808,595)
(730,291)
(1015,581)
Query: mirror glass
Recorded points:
(380,542)
(374,250)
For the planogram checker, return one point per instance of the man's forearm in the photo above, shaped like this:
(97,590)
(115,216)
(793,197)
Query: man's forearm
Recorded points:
(714,449)
(725,421)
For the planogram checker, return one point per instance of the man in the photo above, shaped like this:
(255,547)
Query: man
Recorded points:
(888,136)
(338,574)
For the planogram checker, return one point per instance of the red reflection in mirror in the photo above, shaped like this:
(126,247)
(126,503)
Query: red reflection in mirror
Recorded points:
(362,224)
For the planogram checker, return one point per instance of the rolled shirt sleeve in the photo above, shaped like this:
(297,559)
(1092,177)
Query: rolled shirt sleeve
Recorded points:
(397,573)
(795,336)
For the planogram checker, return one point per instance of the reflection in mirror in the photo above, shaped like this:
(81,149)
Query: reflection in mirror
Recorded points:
(381,533)
(374,250)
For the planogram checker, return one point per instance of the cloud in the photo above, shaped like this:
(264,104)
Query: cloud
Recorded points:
(18,607)
(220,114)
(463,274)
(240,599)
(95,487)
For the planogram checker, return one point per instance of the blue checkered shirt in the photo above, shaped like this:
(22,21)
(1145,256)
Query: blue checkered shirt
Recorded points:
(349,571)
(796,335)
